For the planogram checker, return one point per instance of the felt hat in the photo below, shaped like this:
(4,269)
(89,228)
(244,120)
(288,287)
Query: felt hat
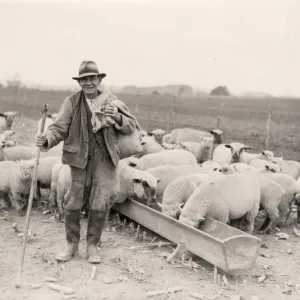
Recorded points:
(88,68)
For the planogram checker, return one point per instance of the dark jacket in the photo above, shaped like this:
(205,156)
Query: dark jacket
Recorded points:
(70,126)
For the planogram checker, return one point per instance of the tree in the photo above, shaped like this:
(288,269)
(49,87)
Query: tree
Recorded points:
(220,91)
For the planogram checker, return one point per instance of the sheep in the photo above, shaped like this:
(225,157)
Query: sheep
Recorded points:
(189,134)
(10,143)
(158,135)
(53,185)
(44,172)
(166,138)
(150,145)
(62,187)
(178,191)
(271,193)
(169,157)
(226,154)
(6,120)
(49,120)
(2,145)
(202,150)
(9,134)
(261,163)
(210,165)
(20,183)
(136,184)
(19,152)
(223,197)
(292,168)
(266,155)
(242,167)
(6,170)
(167,173)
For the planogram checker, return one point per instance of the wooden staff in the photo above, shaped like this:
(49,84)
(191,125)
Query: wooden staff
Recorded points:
(32,189)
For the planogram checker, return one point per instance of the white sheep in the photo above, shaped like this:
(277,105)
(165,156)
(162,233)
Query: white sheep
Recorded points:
(189,134)
(271,193)
(168,157)
(202,150)
(6,170)
(166,138)
(136,184)
(6,120)
(150,145)
(158,135)
(210,165)
(223,197)
(266,155)
(291,167)
(19,152)
(226,154)
(20,183)
(62,187)
(178,191)
(261,163)
(167,173)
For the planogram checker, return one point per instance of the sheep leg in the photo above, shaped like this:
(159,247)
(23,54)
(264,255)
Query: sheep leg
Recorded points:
(284,209)
(6,199)
(273,216)
(265,224)
(250,218)
(53,196)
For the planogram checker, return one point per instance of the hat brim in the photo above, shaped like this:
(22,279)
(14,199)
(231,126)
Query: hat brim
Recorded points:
(89,74)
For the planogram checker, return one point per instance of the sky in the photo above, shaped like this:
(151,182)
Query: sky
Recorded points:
(247,45)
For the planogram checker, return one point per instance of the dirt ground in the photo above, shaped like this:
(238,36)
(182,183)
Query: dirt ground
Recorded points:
(131,274)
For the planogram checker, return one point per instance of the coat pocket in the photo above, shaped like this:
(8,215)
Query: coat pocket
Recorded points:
(71,149)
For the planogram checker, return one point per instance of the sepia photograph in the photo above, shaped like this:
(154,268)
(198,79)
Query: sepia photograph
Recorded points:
(149,149)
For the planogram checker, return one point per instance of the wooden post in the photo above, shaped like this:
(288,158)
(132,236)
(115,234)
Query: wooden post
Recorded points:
(32,189)
(268,128)
(219,116)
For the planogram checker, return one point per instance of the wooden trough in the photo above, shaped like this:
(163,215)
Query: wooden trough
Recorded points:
(226,247)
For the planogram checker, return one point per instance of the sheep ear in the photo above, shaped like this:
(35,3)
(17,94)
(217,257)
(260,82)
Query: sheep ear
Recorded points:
(150,133)
(182,145)
(136,180)
(132,164)
(267,167)
(228,146)
(158,180)
(3,115)
(247,148)
(143,143)
(49,116)
(181,205)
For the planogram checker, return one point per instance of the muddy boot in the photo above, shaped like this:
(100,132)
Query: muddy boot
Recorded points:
(72,227)
(94,230)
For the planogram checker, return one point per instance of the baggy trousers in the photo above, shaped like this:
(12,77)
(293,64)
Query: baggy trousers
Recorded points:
(97,182)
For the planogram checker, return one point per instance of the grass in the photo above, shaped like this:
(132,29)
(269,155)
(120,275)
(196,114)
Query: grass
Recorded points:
(243,119)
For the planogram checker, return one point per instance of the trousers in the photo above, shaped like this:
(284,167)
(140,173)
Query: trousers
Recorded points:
(97,183)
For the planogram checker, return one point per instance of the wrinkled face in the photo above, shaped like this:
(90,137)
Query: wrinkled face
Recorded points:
(145,189)
(89,85)
(207,142)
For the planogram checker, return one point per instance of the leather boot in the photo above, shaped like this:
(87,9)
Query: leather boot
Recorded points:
(72,227)
(94,230)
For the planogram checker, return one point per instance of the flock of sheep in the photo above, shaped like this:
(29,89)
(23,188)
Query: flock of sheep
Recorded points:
(186,174)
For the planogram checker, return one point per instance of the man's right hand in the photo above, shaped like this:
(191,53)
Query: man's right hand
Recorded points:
(40,139)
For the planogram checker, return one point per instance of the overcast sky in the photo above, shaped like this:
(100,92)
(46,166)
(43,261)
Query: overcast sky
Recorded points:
(247,45)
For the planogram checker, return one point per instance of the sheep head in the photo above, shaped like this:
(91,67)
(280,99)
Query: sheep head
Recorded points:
(236,151)
(217,133)
(9,116)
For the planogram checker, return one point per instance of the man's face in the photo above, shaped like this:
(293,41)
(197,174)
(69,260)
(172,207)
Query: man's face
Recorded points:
(89,84)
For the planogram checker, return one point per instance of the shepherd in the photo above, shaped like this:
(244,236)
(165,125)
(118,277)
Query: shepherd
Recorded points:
(89,122)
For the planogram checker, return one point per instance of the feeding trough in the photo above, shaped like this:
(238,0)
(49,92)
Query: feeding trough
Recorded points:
(226,247)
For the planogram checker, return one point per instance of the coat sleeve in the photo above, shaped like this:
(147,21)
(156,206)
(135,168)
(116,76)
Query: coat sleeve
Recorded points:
(127,124)
(59,129)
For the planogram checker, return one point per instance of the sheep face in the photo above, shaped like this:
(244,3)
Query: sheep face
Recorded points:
(158,135)
(8,133)
(273,168)
(135,162)
(217,133)
(2,141)
(236,151)
(166,138)
(9,116)
(227,169)
(267,154)
(145,189)
(10,144)
(206,142)
(26,169)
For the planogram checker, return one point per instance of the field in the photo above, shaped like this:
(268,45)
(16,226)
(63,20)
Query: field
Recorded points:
(129,274)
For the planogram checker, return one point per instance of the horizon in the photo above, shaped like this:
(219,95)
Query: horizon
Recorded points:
(243,45)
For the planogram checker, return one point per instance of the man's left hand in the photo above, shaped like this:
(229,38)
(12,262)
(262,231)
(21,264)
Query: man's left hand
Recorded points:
(112,111)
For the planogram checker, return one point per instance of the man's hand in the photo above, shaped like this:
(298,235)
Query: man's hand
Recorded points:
(111,110)
(40,139)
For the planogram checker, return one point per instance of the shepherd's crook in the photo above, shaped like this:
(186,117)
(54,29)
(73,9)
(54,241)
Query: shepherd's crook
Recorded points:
(32,189)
